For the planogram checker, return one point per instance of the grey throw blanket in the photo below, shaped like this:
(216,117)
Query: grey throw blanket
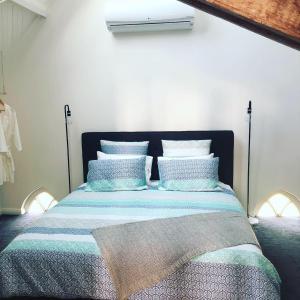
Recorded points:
(140,254)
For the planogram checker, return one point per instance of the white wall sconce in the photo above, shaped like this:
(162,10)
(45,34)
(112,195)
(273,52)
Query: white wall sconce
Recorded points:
(38,202)
(280,204)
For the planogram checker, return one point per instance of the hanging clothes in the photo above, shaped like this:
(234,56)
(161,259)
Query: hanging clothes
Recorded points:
(9,135)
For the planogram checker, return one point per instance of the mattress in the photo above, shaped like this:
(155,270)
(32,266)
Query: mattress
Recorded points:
(58,257)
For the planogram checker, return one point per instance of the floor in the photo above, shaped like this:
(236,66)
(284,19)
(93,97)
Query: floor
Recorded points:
(280,242)
(11,226)
(279,239)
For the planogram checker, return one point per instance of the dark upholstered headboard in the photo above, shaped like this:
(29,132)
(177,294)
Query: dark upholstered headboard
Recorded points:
(222,145)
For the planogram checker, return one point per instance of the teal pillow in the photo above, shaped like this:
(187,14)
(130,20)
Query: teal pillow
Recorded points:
(136,148)
(188,174)
(116,174)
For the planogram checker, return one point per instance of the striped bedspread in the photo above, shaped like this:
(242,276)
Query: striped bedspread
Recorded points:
(58,257)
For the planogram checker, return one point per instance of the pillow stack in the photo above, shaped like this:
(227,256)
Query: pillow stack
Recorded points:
(188,166)
(120,166)
(184,166)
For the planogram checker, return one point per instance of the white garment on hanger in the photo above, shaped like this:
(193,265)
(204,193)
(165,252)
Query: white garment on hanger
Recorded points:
(9,135)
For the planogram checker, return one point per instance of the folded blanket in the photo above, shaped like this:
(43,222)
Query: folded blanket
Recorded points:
(140,254)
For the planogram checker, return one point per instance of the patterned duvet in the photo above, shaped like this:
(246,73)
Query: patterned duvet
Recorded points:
(58,257)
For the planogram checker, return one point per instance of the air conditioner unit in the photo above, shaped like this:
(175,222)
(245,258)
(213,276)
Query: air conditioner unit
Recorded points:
(148,15)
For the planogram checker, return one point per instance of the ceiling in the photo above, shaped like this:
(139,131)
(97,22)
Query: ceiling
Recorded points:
(15,19)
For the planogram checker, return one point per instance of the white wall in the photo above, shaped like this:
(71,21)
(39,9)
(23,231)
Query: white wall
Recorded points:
(198,80)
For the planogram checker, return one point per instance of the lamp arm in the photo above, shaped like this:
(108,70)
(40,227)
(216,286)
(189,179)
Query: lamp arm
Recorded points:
(249,111)
(67,112)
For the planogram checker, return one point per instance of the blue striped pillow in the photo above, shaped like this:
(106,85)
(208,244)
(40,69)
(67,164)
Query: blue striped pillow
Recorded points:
(188,174)
(112,147)
(116,174)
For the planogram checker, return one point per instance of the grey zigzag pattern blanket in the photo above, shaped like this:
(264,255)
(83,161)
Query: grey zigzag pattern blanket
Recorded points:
(140,254)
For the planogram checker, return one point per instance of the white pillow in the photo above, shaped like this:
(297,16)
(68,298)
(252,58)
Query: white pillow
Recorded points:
(148,167)
(209,156)
(186,148)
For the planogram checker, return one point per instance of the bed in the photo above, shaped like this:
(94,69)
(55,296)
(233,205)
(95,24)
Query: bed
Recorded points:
(58,257)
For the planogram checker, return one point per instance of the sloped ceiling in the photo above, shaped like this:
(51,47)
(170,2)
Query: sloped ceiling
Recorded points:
(39,7)
(14,21)
(275,19)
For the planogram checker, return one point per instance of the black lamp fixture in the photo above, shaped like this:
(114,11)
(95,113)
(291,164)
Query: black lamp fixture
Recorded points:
(67,116)
(249,111)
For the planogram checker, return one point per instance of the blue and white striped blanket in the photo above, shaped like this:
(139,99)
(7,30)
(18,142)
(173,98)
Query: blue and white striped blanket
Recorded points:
(57,256)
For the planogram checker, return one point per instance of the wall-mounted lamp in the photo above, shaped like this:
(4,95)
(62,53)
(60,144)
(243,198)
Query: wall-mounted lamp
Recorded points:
(249,112)
(67,117)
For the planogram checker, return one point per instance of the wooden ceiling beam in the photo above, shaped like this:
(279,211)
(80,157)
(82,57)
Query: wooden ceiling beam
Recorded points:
(278,20)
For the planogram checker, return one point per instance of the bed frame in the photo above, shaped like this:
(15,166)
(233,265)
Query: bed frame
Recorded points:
(222,146)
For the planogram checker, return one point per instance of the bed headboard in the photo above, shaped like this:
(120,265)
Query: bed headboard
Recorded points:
(222,145)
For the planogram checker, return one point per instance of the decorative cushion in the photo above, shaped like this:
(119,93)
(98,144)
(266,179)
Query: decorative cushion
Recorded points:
(186,148)
(148,167)
(116,174)
(188,174)
(112,147)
